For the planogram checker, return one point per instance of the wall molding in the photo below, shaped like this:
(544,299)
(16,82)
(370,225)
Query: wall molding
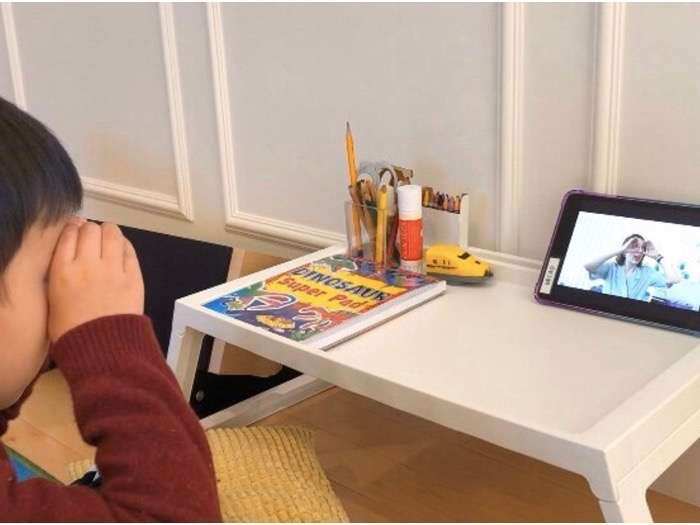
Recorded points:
(237,221)
(177,113)
(132,196)
(223,108)
(180,207)
(511,134)
(297,235)
(289,233)
(605,176)
(8,19)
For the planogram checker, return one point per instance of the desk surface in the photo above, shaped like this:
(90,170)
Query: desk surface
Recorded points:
(493,348)
(490,361)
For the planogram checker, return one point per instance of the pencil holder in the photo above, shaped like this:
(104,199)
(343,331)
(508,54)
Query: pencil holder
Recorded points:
(372,234)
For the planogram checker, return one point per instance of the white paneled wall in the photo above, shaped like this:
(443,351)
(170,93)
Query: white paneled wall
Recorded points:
(5,76)
(101,65)
(418,82)
(660,114)
(558,96)
(226,122)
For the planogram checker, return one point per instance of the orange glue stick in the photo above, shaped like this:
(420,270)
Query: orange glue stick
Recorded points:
(410,227)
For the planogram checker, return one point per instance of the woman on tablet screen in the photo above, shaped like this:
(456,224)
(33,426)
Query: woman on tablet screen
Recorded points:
(626,276)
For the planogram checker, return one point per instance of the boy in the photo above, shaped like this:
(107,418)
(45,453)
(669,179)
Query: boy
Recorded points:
(72,291)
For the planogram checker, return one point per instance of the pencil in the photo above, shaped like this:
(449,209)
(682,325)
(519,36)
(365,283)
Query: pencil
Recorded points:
(372,192)
(363,214)
(391,214)
(364,193)
(367,209)
(350,150)
(393,229)
(356,213)
(356,241)
(380,242)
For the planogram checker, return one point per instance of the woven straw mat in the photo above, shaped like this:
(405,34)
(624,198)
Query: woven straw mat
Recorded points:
(266,474)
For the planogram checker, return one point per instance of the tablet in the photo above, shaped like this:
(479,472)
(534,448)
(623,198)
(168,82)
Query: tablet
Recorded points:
(628,258)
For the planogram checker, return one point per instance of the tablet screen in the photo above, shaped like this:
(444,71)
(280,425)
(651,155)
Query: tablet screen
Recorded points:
(635,259)
(624,257)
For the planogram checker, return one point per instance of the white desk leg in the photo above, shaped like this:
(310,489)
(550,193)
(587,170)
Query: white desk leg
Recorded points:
(627,510)
(627,499)
(183,355)
(629,502)
(624,500)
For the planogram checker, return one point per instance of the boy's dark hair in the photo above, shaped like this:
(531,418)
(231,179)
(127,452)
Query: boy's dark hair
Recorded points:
(38,181)
(620,259)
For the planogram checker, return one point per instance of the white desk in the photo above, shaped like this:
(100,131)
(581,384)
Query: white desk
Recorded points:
(613,401)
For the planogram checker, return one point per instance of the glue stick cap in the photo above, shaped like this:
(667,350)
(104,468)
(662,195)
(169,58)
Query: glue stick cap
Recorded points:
(410,202)
(412,266)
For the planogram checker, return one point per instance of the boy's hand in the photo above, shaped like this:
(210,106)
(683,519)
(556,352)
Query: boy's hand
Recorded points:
(94,273)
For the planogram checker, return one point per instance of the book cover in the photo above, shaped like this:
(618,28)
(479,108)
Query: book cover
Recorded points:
(319,296)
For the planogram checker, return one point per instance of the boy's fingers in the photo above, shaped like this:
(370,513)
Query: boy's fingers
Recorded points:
(112,242)
(89,241)
(131,261)
(67,244)
(76,221)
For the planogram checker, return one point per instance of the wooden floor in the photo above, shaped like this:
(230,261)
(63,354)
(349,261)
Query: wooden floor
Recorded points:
(385,465)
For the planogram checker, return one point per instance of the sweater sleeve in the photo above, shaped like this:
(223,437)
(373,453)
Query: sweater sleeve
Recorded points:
(152,454)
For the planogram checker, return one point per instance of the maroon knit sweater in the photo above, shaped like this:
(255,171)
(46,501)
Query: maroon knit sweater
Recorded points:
(151,451)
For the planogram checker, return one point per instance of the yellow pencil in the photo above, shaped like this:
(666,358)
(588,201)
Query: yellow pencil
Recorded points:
(356,241)
(350,150)
(380,241)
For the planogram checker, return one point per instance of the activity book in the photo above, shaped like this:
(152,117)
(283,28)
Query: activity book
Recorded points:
(328,301)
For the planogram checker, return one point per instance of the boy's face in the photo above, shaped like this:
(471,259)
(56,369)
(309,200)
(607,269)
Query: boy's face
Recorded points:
(24,312)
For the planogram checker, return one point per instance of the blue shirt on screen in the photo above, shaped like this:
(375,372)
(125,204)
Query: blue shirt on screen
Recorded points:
(633,285)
